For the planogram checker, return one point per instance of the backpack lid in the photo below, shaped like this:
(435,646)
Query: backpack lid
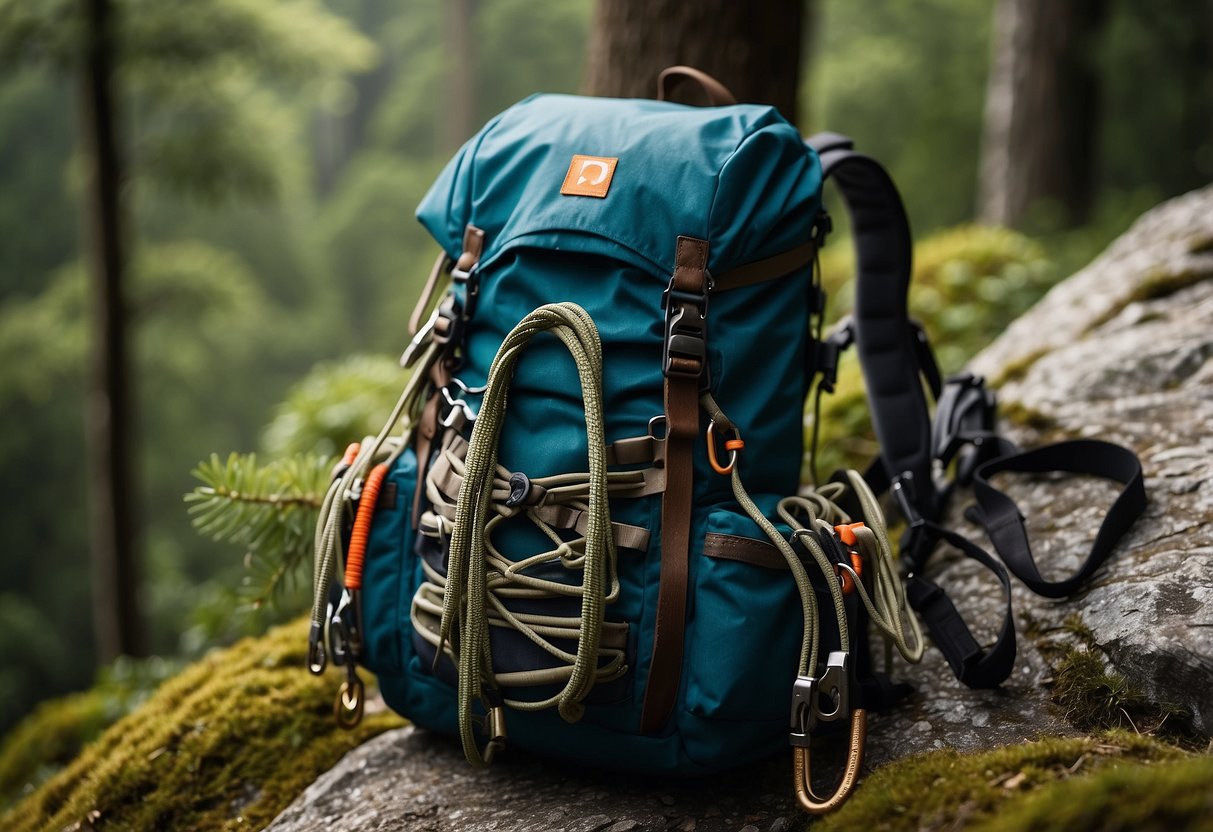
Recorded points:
(740,177)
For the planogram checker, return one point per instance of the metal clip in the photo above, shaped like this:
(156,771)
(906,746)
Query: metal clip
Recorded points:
(457,414)
(317,660)
(344,640)
(825,699)
(809,694)
(801,772)
(731,445)
(351,698)
(423,338)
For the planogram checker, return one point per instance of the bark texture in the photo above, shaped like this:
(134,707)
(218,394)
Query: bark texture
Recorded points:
(1042,104)
(754,49)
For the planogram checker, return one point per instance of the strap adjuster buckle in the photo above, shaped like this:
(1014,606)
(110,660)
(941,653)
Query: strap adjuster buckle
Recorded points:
(964,416)
(685,332)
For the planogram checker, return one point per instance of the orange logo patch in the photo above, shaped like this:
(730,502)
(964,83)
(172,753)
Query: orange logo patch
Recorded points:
(589,176)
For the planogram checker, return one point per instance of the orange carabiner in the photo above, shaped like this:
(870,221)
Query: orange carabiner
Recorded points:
(731,445)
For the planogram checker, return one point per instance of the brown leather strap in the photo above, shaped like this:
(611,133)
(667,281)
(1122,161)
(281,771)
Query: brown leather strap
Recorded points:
(671,77)
(682,426)
(744,550)
(769,268)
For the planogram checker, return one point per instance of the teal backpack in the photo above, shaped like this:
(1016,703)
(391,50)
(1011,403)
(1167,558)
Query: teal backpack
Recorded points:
(582,527)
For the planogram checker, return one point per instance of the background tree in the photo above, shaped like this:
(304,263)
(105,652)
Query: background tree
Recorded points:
(754,49)
(113,539)
(1041,113)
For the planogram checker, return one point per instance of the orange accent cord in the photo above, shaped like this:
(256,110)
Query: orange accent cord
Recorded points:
(362,526)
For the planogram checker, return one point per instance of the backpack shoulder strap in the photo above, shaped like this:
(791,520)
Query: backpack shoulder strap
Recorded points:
(886,339)
(896,360)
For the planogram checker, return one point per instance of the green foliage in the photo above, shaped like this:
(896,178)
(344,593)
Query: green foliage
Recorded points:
(1124,798)
(224,745)
(269,510)
(949,790)
(384,259)
(907,80)
(335,404)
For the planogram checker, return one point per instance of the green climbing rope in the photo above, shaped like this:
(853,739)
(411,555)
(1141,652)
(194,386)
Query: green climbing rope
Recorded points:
(467,582)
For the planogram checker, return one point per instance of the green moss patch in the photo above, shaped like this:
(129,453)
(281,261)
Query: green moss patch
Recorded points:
(226,744)
(949,790)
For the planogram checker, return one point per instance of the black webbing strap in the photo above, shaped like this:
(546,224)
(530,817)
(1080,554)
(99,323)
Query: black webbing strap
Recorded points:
(1004,522)
(973,665)
(888,353)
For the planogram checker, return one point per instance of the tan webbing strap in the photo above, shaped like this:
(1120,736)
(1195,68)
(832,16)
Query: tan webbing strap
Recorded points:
(427,429)
(684,317)
(440,376)
(473,245)
(769,268)
(441,266)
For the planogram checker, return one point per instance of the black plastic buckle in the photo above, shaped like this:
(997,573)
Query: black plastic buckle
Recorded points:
(685,331)
(964,417)
(470,280)
(829,351)
(823,226)
(919,540)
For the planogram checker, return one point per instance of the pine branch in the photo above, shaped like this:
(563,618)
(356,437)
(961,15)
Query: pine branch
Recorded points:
(269,510)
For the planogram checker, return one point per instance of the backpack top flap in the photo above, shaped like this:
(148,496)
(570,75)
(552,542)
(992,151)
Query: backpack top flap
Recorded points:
(739,176)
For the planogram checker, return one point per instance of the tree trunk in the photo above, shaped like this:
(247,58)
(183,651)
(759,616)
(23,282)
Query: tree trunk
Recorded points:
(113,544)
(460,113)
(1042,104)
(754,49)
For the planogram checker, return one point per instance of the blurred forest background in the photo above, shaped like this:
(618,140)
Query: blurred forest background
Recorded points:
(274,151)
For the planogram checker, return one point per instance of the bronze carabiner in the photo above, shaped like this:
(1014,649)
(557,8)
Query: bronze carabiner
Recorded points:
(809,801)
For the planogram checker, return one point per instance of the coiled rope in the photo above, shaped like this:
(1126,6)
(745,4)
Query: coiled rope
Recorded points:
(467,584)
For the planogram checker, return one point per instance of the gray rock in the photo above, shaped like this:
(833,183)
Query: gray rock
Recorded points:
(1121,351)
(412,780)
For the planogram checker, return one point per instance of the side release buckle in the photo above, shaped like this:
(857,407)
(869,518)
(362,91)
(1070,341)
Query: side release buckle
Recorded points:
(684,351)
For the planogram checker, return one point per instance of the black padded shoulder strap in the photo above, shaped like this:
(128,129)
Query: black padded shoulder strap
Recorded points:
(884,336)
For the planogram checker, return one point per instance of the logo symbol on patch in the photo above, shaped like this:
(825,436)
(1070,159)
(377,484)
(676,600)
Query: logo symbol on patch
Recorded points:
(589,176)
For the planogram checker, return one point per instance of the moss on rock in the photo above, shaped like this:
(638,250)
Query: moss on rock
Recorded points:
(226,744)
(1019,786)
